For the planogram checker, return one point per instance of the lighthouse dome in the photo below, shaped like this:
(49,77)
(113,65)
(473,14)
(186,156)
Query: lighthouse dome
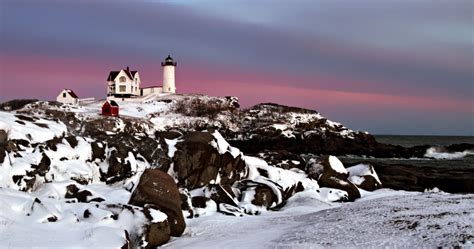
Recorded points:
(168,62)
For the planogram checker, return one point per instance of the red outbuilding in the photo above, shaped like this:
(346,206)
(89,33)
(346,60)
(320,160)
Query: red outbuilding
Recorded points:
(110,108)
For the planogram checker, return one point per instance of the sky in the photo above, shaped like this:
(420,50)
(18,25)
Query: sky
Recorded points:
(386,67)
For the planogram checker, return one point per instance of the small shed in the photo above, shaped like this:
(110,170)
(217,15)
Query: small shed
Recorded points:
(110,108)
(67,96)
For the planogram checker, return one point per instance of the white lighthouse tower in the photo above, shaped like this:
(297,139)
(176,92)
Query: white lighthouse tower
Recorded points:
(168,75)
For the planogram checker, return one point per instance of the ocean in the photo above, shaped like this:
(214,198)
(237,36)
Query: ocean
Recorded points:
(410,141)
(456,161)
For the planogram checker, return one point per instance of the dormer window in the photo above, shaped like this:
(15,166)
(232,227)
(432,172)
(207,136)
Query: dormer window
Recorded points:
(122,79)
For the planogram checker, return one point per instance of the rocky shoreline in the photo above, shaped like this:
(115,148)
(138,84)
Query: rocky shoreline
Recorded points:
(173,164)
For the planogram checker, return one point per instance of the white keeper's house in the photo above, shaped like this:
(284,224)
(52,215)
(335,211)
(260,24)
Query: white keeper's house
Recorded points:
(125,84)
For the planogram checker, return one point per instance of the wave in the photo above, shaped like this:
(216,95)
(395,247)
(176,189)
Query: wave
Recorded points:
(440,153)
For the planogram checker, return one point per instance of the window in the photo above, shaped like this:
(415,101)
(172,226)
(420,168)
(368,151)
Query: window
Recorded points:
(121,88)
(122,79)
(64,95)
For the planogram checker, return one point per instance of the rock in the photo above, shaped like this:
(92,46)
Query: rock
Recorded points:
(157,233)
(283,159)
(459,147)
(3,153)
(197,163)
(98,151)
(72,141)
(186,204)
(128,243)
(222,194)
(118,169)
(335,176)
(3,137)
(13,145)
(72,191)
(333,182)
(51,144)
(168,134)
(416,178)
(203,205)
(43,167)
(364,177)
(15,104)
(199,201)
(230,210)
(158,188)
(264,196)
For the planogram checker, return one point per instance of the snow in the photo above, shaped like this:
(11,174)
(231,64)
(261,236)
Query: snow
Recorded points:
(386,218)
(357,171)
(435,153)
(24,222)
(157,216)
(36,131)
(311,218)
(172,146)
(337,165)
(223,146)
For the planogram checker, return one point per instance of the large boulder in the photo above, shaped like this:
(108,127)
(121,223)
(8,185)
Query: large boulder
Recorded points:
(334,175)
(159,189)
(198,163)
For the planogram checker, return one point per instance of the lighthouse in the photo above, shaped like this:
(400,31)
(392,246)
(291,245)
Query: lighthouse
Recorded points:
(168,75)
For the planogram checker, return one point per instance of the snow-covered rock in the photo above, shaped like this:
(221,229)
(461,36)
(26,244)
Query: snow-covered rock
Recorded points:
(364,176)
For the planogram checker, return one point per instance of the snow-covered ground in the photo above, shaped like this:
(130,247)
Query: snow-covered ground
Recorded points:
(383,218)
(34,211)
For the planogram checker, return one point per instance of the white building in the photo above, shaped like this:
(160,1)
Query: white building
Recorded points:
(125,84)
(168,75)
(67,96)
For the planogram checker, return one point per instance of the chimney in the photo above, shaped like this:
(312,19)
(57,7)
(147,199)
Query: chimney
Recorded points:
(128,69)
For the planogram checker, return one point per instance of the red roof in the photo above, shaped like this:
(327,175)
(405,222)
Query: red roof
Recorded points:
(71,92)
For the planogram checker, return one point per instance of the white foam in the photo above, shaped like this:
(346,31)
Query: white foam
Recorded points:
(435,153)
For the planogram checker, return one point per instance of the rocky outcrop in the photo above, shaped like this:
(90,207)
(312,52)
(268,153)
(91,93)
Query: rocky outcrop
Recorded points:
(334,175)
(197,163)
(159,189)
(16,104)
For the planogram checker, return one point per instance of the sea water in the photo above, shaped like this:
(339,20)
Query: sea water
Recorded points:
(462,162)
